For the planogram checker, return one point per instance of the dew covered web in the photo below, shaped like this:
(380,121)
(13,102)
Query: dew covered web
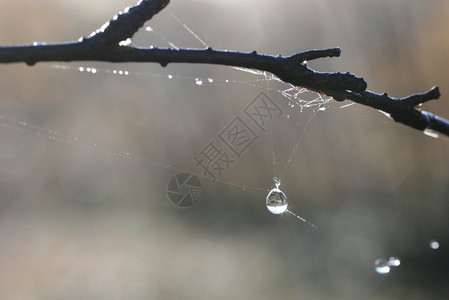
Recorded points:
(248,132)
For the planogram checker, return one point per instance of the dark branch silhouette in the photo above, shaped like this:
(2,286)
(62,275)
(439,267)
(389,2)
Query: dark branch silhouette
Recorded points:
(104,45)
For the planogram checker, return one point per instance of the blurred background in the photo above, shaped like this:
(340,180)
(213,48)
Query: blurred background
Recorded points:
(85,159)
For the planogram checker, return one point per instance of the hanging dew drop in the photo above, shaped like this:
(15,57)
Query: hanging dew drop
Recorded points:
(276,200)
(198,81)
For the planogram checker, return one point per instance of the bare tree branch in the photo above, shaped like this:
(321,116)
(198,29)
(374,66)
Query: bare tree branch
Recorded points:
(103,45)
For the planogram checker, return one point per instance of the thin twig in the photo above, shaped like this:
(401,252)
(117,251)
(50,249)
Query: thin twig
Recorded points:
(103,45)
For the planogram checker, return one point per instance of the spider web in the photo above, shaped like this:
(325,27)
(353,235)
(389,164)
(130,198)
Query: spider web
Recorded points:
(280,140)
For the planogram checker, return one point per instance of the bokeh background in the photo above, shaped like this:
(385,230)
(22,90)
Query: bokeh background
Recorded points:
(81,219)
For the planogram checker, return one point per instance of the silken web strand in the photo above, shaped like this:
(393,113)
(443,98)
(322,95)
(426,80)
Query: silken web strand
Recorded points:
(294,95)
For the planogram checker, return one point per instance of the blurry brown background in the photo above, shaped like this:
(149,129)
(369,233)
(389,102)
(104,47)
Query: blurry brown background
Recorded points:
(76,222)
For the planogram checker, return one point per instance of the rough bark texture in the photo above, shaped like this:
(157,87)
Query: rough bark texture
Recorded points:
(103,45)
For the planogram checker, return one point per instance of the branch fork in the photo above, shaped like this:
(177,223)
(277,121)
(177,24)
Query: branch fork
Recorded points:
(104,45)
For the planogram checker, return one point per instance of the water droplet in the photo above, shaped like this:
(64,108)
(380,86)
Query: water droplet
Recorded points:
(170,76)
(433,244)
(198,81)
(394,261)
(93,70)
(382,266)
(81,69)
(210,80)
(127,42)
(114,72)
(120,72)
(126,73)
(148,28)
(276,200)
(277,182)
(322,108)
(431,133)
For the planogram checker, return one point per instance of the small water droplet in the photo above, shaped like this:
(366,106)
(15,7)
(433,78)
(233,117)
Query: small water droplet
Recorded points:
(431,133)
(81,69)
(170,76)
(210,80)
(394,261)
(198,81)
(126,73)
(382,266)
(127,42)
(148,28)
(276,200)
(114,72)
(277,181)
(93,70)
(322,108)
(226,80)
(120,72)
(433,244)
